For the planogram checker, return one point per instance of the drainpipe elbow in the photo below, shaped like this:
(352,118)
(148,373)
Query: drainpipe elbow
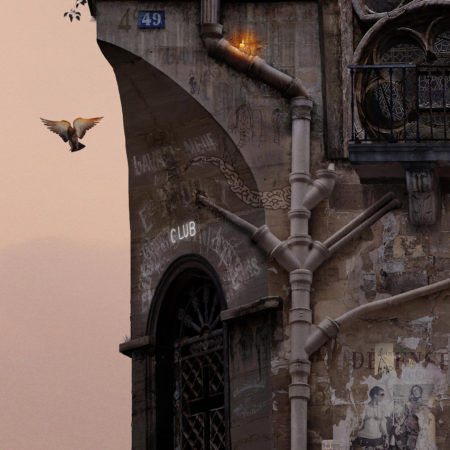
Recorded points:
(286,84)
(275,248)
(326,330)
(215,47)
(211,31)
(320,188)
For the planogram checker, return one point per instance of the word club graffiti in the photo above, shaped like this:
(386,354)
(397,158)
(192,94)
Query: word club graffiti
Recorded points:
(183,232)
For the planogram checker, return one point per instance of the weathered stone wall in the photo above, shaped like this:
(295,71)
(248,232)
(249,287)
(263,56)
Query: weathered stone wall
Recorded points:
(400,347)
(193,124)
(390,258)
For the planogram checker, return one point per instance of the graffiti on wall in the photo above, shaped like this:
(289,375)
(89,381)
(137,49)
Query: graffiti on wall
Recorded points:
(147,163)
(199,145)
(146,213)
(183,231)
(237,270)
(276,199)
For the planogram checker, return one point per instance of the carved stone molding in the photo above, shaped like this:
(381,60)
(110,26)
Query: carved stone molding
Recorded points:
(423,189)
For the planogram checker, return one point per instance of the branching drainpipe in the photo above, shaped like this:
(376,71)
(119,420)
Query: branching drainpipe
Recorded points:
(298,256)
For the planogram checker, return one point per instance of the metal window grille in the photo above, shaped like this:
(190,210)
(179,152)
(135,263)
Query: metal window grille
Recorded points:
(400,103)
(199,398)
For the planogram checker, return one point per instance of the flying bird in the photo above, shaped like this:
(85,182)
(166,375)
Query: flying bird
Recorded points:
(69,133)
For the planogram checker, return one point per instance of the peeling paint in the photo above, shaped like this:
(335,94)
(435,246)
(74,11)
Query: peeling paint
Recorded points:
(343,429)
(415,389)
(278,363)
(410,342)
(336,401)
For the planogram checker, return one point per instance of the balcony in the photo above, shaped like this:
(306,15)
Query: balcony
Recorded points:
(400,127)
(400,113)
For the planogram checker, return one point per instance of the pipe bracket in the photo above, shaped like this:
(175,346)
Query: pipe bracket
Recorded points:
(299,177)
(301,108)
(301,213)
(300,239)
(300,279)
(299,391)
(300,315)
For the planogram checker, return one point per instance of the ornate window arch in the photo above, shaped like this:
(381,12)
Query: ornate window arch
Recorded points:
(400,98)
(191,361)
(402,79)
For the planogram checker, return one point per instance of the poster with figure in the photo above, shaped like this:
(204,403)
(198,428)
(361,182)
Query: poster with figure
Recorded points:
(401,419)
(412,423)
(373,432)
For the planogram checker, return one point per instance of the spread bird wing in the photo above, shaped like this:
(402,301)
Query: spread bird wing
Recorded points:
(60,127)
(82,125)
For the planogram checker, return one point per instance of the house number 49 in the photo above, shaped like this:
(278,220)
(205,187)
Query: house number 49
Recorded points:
(151,19)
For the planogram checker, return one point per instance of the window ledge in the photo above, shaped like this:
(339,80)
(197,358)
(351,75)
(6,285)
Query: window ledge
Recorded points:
(400,152)
(140,343)
(260,305)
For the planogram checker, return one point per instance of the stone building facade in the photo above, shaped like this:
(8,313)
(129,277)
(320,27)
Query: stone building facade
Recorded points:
(290,223)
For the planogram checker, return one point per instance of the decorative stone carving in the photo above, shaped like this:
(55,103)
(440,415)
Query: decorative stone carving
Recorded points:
(422,185)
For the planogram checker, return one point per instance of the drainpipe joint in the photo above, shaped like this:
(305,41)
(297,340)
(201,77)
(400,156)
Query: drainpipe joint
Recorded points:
(299,220)
(320,188)
(299,182)
(301,108)
(299,390)
(299,370)
(301,240)
(299,177)
(317,255)
(326,330)
(211,30)
(300,314)
(275,248)
(299,213)
(300,280)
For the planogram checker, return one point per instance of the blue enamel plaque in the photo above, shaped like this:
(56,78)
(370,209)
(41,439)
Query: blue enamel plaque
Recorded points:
(151,19)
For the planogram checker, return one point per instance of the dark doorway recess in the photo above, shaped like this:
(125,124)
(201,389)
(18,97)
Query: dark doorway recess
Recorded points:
(191,360)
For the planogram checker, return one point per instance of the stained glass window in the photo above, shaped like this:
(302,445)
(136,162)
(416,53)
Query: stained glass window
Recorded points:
(442,43)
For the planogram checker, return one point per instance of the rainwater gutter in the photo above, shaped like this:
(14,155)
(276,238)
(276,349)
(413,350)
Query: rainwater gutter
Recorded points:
(329,328)
(297,255)
(211,32)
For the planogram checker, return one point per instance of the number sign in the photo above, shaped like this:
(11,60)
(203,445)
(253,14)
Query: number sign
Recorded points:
(151,19)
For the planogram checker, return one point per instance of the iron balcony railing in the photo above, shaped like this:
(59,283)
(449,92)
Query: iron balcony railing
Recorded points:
(400,103)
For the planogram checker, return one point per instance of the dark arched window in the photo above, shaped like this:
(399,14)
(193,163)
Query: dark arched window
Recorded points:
(191,363)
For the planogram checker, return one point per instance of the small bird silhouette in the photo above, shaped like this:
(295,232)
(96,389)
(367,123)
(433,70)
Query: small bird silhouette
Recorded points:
(69,133)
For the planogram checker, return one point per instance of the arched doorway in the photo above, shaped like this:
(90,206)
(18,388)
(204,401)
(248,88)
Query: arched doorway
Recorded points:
(191,359)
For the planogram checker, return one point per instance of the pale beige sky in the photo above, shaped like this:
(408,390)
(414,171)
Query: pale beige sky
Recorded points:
(64,252)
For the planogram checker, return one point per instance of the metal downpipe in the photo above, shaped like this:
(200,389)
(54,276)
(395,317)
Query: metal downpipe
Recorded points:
(300,313)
